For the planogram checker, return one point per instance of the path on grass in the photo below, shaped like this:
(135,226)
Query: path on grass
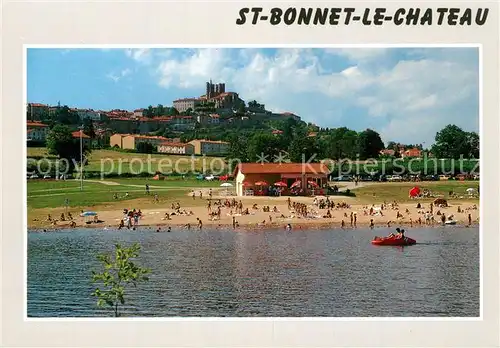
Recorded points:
(76,190)
(344,186)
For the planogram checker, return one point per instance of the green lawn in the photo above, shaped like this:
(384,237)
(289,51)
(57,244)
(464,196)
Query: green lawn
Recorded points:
(399,190)
(110,161)
(53,193)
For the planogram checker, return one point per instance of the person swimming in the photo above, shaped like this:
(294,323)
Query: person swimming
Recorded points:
(288,227)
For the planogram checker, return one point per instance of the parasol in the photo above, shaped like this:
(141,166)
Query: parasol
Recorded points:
(296,184)
(261,183)
(313,184)
(88,213)
(280,184)
(414,191)
(226,184)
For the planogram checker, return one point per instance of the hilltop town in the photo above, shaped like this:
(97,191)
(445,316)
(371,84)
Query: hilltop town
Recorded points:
(127,129)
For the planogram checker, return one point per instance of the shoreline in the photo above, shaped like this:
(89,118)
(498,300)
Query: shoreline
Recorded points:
(305,226)
(262,213)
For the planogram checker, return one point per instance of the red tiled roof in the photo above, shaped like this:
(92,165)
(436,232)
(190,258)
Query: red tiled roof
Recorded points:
(76,134)
(36,124)
(387,152)
(37,104)
(175,144)
(210,141)
(277,168)
(153,137)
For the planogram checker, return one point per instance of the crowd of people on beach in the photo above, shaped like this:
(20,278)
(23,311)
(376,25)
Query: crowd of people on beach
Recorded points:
(318,208)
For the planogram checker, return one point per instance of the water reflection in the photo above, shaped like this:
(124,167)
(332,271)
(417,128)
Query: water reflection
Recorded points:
(257,273)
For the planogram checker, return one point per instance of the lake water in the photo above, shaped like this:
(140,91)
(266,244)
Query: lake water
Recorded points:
(333,273)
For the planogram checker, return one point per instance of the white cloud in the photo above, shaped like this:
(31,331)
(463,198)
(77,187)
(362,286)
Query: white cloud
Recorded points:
(118,76)
(359,54)
(424,91)
(139,54)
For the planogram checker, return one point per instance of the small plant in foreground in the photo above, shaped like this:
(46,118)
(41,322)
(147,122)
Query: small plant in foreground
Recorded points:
(119,271)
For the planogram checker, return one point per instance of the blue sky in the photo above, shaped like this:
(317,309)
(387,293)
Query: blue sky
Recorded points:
(406,94)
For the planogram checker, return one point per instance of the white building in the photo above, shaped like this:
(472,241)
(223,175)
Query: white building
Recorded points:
(37,131)
(89,113)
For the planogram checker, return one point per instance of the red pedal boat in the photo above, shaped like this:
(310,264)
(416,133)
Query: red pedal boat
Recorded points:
(395,240)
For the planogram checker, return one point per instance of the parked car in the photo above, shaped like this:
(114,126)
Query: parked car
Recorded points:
(200,177)
(343,178)
(395,178)
(46,176)
(210,178)
(382,178)
(431,178)
(33,176)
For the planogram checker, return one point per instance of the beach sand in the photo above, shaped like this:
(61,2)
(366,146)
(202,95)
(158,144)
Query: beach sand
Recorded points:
(260,219)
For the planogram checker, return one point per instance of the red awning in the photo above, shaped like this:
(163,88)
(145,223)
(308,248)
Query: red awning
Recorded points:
(312,183)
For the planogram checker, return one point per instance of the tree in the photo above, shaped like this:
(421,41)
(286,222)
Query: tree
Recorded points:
(119,272)
(369,144)
(88,128)
(60,142)
(149,112)
(64,115)
(171,111)
(341,143)
(453,142)
(241,109)
(238,146)
(473,140)
(391,145)
(160,110)
(144,147)
(302,148)
(263,146)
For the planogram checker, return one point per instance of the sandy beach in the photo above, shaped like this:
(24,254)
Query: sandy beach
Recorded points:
(303,212)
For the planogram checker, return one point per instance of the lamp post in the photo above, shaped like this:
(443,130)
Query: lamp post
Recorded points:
(81,158)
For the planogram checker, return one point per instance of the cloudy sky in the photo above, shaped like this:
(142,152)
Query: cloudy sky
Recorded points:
(406,94)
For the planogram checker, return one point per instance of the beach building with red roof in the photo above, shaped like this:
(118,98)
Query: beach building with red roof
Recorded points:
(301,176)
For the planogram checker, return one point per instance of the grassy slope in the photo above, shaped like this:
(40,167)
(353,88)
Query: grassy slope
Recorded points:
(109,160)
(399,191)
(48,197)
